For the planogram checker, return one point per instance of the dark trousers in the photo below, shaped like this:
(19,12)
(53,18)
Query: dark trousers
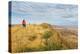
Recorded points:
(24,25)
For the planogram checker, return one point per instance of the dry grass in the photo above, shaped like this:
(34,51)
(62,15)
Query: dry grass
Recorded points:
(31,38)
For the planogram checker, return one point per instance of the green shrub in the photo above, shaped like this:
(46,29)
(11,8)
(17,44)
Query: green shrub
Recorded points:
(32,38)
(47,34)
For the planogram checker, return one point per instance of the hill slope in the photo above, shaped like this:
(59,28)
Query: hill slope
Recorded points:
(41,37)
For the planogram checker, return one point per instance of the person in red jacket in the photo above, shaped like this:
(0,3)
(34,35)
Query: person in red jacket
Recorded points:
(24,23)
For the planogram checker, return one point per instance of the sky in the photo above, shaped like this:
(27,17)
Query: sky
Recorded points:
(37,13)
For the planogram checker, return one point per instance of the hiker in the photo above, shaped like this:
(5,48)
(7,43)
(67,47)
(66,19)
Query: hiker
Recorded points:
(24,23)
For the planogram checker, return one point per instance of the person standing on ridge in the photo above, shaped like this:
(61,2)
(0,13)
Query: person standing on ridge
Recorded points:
(24,23)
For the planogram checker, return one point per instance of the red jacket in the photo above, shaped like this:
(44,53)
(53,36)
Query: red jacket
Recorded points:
(23,22)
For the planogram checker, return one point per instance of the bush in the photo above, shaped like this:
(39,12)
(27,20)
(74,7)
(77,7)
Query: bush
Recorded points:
(47,34)
(45,25)
(32,38)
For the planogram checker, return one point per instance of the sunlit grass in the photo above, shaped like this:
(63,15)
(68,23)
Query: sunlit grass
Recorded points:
(40,38)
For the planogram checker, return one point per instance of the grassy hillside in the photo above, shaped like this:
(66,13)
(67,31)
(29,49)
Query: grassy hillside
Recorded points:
(41,37)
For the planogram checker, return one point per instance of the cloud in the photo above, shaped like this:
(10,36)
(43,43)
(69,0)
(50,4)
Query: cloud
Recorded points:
(55,13)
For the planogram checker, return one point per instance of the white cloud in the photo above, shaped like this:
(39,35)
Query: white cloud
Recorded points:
(45,11)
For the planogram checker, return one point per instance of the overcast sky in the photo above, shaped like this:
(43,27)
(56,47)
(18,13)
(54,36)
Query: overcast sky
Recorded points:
(34,13)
